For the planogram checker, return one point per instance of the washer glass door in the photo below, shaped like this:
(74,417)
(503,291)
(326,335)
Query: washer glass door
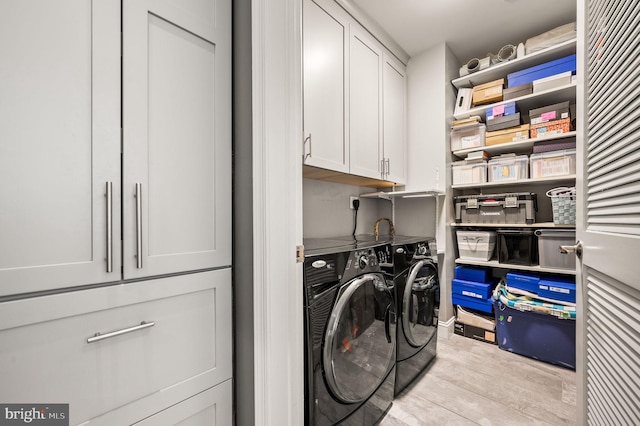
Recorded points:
(418,301)
(359,345)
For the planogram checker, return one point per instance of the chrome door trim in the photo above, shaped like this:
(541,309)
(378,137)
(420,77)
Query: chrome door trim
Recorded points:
(406,298)
(327,359)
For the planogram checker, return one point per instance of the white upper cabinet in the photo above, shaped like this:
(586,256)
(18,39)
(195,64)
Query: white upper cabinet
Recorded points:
(365,90)
(354,97)
(325,72)
(394,113)
(59,144)
(177,136)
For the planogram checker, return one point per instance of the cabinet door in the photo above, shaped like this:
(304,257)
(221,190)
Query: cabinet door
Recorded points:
(213,407)
(59,143)
(177,136)
(365,87)
(394,119)
(324,39)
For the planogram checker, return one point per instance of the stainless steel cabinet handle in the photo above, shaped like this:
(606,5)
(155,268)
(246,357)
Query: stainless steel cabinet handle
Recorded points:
(109,195)
(388,170)
(98,336)
(304,142)
(577,249)
(139,225)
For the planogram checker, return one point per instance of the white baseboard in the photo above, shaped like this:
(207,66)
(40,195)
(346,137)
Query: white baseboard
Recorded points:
(445,328)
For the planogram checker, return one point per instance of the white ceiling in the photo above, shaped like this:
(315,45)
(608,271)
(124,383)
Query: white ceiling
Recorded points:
(471,28)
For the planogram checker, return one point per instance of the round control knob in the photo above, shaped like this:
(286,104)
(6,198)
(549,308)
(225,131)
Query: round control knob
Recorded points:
(364,261)
(400,250)
(422,250)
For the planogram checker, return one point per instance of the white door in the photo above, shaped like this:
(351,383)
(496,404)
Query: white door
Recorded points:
(177,136)
(365,88)
(394,123)
(325,35)
(609,213)
(59,144)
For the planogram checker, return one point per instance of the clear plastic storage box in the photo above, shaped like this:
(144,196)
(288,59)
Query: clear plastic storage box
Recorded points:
(476,245)
(468,136)
(508,167)
(549,242)
(469,171)
(553,163)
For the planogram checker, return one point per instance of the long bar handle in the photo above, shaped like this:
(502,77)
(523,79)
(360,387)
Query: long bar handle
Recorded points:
(109,195)
(304,142)
(139,225)
(98,336)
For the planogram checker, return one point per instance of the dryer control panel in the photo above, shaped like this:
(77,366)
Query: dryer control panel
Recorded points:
(365,260)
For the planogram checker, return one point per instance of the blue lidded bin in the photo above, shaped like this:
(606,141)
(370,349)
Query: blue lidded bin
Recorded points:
(536,335)
(558,66)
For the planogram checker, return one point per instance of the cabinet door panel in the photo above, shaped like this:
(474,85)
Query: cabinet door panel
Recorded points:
(59,142)
(212,407)
(394,113)
(177,137)
(364,106)
(324,88)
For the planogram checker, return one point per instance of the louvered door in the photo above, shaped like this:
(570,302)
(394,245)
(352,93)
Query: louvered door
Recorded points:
(609,213)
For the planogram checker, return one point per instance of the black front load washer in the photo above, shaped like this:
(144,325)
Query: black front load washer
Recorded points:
(415,272)
(349,320)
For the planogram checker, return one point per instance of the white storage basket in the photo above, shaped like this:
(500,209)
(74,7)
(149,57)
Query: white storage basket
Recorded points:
(476,245)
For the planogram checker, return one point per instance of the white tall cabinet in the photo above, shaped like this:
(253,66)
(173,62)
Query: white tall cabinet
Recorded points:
(59,143)
(177,133)
(115,165)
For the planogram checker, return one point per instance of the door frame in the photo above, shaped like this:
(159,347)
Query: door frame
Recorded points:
(277,211)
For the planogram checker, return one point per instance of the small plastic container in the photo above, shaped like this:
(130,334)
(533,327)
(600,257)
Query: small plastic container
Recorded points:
(469,171)
(508,167)
(468,136)
(553,163)
(476,245)
(549,242)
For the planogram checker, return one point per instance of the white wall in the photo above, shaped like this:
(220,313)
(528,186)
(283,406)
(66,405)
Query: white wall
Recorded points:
(326,211)
(425,120)
(430,101)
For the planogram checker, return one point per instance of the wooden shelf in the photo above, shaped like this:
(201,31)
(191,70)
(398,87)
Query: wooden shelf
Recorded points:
(520,146)
(527,102)
(311,172)
(496,264)
(521,182)
(403,194)
(513,225)
(502,69)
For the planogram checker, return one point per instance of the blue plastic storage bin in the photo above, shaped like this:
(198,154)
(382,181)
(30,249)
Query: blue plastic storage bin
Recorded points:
(536,335)
(523,281)
(473,273)
(472,289)
(472,303)
(568,63)
(557,289)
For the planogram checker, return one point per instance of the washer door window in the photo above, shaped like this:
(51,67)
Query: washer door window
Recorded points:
(359,347)
(418,302)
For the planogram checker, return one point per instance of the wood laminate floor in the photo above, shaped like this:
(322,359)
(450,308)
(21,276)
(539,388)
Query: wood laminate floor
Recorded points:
(476,383)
